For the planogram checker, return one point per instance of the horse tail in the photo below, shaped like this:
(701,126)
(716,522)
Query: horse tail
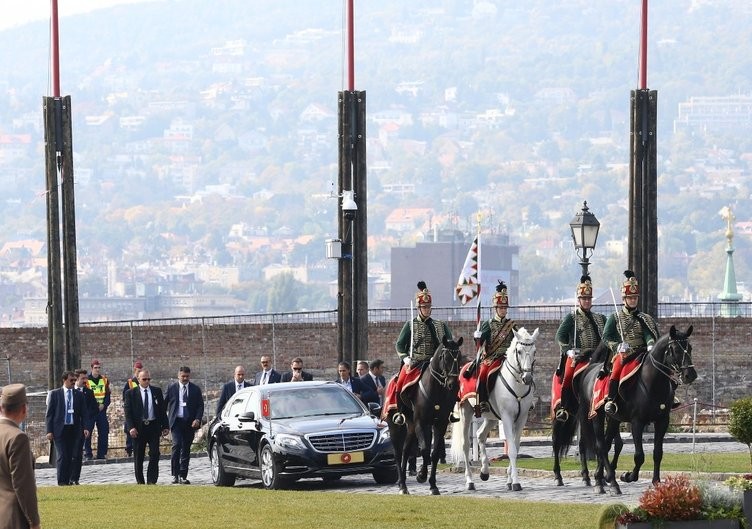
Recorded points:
(458,438)
(562,435)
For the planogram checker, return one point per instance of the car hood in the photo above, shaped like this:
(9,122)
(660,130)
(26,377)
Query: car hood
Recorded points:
(318,424)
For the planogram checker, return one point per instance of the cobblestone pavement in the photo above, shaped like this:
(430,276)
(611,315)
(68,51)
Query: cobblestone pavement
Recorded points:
(537,485)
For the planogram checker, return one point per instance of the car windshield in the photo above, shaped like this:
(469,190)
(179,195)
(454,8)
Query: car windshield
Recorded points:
(308,402)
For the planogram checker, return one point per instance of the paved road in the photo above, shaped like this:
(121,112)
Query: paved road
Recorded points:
(537,485)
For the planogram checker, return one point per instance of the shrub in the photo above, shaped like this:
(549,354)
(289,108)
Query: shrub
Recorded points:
(740,423)
(739,483)
(609,514)
(678,499)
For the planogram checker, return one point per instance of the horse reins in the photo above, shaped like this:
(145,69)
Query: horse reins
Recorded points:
(515,373)
(442,377)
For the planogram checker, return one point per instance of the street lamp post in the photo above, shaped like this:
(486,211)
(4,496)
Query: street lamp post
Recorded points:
(584,228)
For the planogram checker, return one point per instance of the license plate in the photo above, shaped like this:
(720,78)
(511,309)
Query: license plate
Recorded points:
(345,458)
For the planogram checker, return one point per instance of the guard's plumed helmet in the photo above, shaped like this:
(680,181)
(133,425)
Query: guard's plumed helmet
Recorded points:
(630,286)
(500,297)
(422,296)
(585,288)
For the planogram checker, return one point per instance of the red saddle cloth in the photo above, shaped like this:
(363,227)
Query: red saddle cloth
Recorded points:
(556,386)
(468,386)
(600,388)
(397,385)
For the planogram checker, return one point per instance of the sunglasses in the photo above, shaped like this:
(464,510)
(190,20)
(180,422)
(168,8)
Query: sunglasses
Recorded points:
(145,379)
(297,369)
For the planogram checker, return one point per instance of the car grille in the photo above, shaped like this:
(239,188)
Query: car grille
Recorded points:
(341,441)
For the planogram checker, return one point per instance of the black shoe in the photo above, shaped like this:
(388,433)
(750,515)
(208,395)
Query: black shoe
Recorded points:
(484,407)
(175,480)
(129,453)
(562,415)
(611,408)
(601,373)
(184,481)
(677,403)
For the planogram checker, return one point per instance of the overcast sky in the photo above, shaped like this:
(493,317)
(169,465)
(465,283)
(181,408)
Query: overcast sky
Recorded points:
(18,12)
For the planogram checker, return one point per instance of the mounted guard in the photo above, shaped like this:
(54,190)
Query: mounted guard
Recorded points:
(578,335)
(420,337)
(497,334)
(628,333)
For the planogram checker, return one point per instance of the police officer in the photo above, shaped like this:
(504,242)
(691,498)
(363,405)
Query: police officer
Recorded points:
(100,386)
(628,332)
(579,333)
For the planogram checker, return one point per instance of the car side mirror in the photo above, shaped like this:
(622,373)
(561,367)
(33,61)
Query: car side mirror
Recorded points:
(374,408)
(248,416)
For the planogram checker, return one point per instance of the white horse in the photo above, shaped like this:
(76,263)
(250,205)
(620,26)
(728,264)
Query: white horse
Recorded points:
(510,402)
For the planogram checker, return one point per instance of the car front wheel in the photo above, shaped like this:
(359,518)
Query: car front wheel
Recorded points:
(387,476)
(219,476)
(269,469)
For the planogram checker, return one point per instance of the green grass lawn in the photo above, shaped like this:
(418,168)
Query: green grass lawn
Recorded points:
(128,506)
(698,462)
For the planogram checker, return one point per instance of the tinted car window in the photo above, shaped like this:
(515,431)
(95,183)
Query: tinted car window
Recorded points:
(306,402)
(235,406)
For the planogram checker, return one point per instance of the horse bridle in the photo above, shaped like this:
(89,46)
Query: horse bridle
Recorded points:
(673,370)
(443,377)
(518,372)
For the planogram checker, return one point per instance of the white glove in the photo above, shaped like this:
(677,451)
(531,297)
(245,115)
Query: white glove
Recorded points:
(623,347)
(406,360)
(572,353)
(650,347)
(477,335)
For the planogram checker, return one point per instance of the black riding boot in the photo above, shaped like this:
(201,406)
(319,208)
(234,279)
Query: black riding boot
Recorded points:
(613,388)
(469,371)
(562,412)
(482,406)
(561,367)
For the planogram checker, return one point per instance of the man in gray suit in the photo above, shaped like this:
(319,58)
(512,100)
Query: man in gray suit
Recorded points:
(18,487)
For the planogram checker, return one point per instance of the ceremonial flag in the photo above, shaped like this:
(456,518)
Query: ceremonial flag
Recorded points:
(468,285)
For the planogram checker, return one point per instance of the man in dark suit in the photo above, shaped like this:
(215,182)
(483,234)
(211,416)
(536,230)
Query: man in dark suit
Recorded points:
(185,410)
(267,375)
(146,421)
(296,373)
(374,382)
(92,409)
(236,384)
(65,420)
(353,384)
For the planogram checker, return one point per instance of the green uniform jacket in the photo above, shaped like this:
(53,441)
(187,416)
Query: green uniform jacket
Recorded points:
(497,336)
(588,337)
(634,333)
(427,338)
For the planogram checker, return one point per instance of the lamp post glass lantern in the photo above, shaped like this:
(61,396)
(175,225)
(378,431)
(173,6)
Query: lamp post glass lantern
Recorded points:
(584,228)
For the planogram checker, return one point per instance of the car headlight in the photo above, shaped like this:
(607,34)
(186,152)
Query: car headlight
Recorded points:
(290,442)
(384,435)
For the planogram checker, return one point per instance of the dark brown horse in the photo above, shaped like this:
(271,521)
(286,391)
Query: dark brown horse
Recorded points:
(647,397)
(427,414)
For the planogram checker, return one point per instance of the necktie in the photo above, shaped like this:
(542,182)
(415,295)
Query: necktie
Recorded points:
(146,404)
(263,379)
(185,393)
(68,407)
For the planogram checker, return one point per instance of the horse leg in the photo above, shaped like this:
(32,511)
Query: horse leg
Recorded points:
(517,429)
(601,451)
(613,437)
(399,438)
(483,431)
(639,453)
(556,442)
(439,430)
(661,426)
(465,429)
(583,448)
(618,443)
(424,446)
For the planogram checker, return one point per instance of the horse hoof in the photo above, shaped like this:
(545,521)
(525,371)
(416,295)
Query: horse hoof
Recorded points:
(484,476)
(421,477)
(587,482)
(509,486)
(435,492)
(599,489)
(559,482)
(471,486)
(516,487)
(627,477)
(404,492)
